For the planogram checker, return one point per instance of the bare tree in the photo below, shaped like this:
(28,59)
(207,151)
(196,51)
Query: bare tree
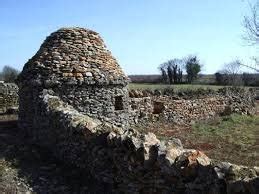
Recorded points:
(170,74)
(254,65)
(163,72)
(251,36)
(177,66)
(172,71)
(251,24)
(232,72)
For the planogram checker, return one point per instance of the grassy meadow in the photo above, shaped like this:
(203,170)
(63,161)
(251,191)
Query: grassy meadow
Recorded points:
(176,87)
(233,138)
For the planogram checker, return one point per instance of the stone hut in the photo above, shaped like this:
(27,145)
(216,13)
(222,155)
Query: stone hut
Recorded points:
(74,64)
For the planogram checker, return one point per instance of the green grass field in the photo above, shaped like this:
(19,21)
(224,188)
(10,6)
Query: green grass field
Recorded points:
(144,86)
(233,137)
(176,87)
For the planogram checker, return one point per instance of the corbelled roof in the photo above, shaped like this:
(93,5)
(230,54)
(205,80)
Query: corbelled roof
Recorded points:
(73,55)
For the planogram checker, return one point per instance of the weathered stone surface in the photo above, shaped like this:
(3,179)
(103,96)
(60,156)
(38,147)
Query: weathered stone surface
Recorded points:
(75,64)
(134,162)
(74,53)
(179,110)
(77,119)
(8,97)
(174,109)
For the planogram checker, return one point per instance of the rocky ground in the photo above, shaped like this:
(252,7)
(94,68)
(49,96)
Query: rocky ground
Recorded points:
(25,168)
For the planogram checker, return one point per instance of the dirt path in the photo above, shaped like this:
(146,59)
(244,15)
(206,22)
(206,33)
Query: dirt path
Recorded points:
(25,168)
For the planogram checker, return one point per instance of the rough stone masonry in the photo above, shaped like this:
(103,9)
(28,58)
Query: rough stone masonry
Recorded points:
(178,108)
(74,100)
(75,64)
(8,97)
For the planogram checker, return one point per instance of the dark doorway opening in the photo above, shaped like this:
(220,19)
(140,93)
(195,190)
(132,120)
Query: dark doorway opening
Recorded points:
(118,103)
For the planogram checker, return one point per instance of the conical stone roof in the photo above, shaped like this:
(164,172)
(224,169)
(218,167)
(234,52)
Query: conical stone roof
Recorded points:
(73,56)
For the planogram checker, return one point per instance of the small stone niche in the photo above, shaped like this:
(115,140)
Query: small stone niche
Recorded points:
(118,103)
(158,107)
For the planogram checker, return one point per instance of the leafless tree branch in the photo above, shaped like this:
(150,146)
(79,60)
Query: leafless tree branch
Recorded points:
(251,25)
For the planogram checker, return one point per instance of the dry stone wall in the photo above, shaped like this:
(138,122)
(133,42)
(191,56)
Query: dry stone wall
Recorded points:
(8,97)
(145,106)
(132,162)
(74,100)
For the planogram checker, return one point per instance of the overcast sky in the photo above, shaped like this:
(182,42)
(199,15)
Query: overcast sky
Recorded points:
(140,33)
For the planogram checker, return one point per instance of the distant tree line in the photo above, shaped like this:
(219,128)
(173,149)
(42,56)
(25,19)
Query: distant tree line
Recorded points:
(152,79)
(243,79)
(187,70)
(9,74)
